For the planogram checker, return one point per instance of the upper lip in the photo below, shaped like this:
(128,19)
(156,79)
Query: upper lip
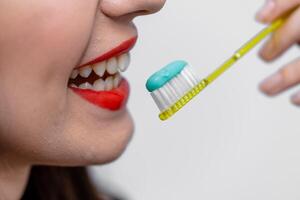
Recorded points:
(120,49)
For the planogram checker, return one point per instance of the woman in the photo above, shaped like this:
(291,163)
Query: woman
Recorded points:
(63,102)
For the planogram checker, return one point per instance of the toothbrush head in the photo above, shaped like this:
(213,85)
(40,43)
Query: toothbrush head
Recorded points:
(173,86)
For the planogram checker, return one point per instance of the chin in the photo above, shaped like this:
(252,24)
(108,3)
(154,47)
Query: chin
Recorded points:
(114,145)
(87,147)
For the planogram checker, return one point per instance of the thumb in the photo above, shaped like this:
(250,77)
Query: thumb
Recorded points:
(274,9)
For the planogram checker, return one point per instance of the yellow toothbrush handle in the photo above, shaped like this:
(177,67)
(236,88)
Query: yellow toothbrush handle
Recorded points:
(213,76)
(245,49)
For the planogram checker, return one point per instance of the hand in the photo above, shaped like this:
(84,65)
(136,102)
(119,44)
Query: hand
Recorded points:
(285,37)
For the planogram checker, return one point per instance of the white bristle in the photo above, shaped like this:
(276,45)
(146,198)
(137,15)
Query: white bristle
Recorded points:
(193,76)
(187,79)
(179,85)
(177,93)
(166,90)
(166,97)
(176,85)
(162,101)
(159,100)
(190,76)
(172,91)
(184,82)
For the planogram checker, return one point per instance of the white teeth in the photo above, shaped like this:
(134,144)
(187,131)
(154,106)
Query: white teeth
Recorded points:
(117,80)
(112,66)
(99,68)
(109,83)
(123,62)
(85,71)
(74,74)
(99,85)
(85,86)
(73,85)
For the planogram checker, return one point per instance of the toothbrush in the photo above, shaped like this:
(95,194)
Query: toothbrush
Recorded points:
(175,85)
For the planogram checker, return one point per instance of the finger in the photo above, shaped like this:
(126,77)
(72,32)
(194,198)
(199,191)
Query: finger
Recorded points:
(295,99)
(274,9)
(285,78)
(283,38)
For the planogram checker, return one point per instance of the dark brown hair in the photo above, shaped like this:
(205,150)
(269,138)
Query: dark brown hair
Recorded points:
(60,183)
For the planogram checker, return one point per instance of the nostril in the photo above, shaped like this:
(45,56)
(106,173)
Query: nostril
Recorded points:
(139,12)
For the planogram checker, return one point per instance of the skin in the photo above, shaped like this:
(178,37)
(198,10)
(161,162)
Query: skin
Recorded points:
(284,38)
(41,120)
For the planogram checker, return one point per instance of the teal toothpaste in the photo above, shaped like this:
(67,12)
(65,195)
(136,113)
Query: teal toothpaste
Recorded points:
(163,76)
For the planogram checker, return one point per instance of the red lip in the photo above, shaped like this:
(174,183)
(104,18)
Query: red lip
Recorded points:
(111,100)
(122,48)
(114,99)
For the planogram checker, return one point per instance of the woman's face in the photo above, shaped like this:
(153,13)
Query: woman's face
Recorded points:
(47,117)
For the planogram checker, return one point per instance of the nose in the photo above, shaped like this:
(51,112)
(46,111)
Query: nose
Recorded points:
(130,8)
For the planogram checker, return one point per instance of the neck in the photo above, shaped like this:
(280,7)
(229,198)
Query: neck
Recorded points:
(13,179)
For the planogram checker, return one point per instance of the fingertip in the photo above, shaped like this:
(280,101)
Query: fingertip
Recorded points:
(266,12)
(271,49)
(265,56)
(295,99)
(259,19)
(264,89)
(262,19)
(295,103)
(271,86)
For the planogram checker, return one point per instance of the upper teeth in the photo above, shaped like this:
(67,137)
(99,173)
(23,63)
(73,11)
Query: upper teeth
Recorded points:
(100,68)
(112,66)
(74,74)
(85,71)
(123,62)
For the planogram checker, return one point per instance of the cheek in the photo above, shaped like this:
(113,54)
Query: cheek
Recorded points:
(44,37)
(39,45)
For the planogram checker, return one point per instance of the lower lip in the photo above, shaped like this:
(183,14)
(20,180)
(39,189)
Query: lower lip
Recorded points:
(112,100)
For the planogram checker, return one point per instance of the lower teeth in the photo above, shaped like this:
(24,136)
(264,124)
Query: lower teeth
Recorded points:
(111,82)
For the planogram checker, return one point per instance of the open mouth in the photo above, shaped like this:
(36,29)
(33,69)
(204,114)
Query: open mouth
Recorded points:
(100,82)
(103,76)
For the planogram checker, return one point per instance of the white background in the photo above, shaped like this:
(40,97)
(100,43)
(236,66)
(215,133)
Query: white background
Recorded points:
(231,142)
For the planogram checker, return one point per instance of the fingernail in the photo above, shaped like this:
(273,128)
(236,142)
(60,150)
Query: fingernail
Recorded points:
(272,84)
(266,11)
